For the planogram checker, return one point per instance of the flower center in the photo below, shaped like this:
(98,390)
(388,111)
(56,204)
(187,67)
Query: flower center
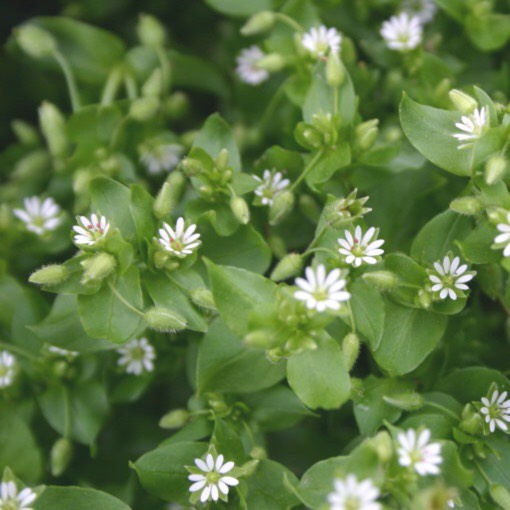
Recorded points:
(4,371)
(321,294)
(137,353)
(176,244)
(352,503)
(213,477)
(11,504)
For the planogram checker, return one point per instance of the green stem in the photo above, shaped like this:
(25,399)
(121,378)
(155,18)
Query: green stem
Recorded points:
(289,21)
(70,80)
(447,411)
(131,88)
(123,300)
(19,350)
(351,317)
(165,66)
(67,414)
(118,130)
(307,169)
(318,237)
(325,250)
(273,103)
(483,473)
(336,101)
(111,86)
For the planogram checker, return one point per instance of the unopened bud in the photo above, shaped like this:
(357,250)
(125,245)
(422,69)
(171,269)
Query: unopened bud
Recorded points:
(366,133)
(35,42)
(98,267)
(405,401)
(335,72)
(350,350)
(60,456)
(273,62)
(150,31)
(462,101)
(259,23)
(170,195)
(174,419)
(466,205)
(163,319)
(381,280)
(495,169)
(25,133)
(240,209)
(258,452)
(308,136)
(282,205)
(176,105)
(192,167)
(49,275)
(500,495)
(291,265)
(424,299)
(154,84)
(383,445)
(144,108)
(221,160)
(203,297)
(259,339)
(53,128)
(471,422)
(275,355)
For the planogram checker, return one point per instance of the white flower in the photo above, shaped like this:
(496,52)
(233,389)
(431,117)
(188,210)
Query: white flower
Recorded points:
(39,216)
(10,499)
(416,452)
(504,238)
(360,248)
(247,68)
(424,10)
(496,410)
(320,290)
(349,494)
(213,483)
(472,127)
(8,368)
(450,278)
(137,356)
(271,183)
(318,40)
(402,32)
(62,352)
(180,241)
(90,230)
(161,158)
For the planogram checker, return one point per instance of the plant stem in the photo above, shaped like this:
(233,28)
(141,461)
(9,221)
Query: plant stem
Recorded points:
(111,86)
(67,414)
(70,80)
(290,22)
(131,87)
(442,408)
(307,169)
(165,66)
(351,317)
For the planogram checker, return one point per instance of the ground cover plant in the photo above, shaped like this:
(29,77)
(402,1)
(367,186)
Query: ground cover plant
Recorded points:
(255,255)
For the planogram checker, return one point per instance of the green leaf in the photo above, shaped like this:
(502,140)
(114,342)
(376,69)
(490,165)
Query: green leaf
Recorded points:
(236,292)
(411,277)
(93,126)
(455,8)
(140,205)
(77,498)
(476,247)
(489,31)
(227,441)
(409,336)
(438,237)
(241,8)
(333,159)
(162,471)
(104,315)
(368,310)
(224,364)
(216,135)
(319,377)
(18,449)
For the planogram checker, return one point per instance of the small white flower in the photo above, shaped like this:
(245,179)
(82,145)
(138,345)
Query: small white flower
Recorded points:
(8,367)
(320,40)
(180,241)
(11,499)
(360,248)
(161,158)
(424,10)
(213,483)
(247,68)
(503,239)
(472,127)
(416,452)
(39,216)
(90,230)
(271,183)
(137,356)
(402,32)
(349,494)
(496,410)
(321,291)
(58,351)
(450,278)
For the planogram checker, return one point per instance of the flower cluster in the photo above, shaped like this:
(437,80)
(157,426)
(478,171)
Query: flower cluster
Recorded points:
(349,494)
(403,32)
(39,216)
(11,499)
(161,158)
(502,240)
(8,367)
(360,248)
(271,183)
(321,40)
(90,230)
(496,410)
(180,241)
(472,127)
(417,453)
(247,66)
(449,278)
(137,356)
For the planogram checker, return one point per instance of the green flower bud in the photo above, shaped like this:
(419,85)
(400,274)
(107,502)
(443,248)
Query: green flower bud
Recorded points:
(273,62)
(365,134)
(495,169)
(497,215)
(259,339)
(291,265)
(25,133)
(350,350)
(98,267)
(462,101)
(150,31)
(49,275)
(53,127)
(169,195)
(335,71)
(277,246)
(466,205)
(258,452)
(405,401)
(35,42)
(500,495)
(192,167)
(471,422)
(154,84)
(275,355)
(163,319)
(308,136)
(177,105)
(259,23)
(203,297)
(61,454)
(424,299)
(221,160)
(174,419)
(282,205)
(381,280)
(383,445)
(144,108)
(240,209)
